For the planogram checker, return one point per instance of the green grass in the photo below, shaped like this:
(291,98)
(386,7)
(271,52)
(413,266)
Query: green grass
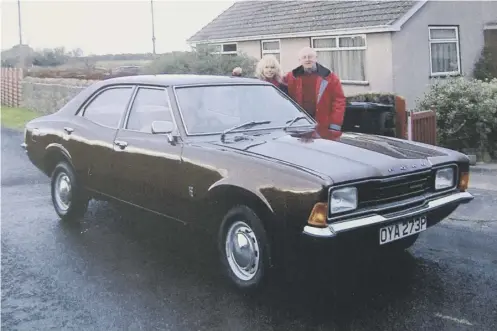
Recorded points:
(16,118)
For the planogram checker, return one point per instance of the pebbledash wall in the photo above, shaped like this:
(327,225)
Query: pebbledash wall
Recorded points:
(45,95)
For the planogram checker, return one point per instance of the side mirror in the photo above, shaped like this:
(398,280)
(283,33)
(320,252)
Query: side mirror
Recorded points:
(162,127)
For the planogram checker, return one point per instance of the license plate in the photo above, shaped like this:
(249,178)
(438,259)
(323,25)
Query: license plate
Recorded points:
(402,229)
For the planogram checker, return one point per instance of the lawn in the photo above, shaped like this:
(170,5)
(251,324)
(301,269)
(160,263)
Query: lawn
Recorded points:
(16,118)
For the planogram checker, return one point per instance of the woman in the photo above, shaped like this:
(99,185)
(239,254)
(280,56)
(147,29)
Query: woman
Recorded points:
(269,70)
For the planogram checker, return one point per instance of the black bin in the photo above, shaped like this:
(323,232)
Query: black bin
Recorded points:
(369,117)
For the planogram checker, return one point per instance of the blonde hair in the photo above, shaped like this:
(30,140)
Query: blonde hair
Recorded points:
(266,60)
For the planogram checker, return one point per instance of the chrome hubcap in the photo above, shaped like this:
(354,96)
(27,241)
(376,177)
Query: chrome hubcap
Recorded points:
(63,191)
(242,250)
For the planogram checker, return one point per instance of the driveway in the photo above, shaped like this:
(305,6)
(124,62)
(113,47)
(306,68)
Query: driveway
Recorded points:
(120,269)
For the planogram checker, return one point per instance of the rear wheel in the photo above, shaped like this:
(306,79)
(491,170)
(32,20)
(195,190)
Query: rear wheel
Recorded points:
(243,248)
(68,197)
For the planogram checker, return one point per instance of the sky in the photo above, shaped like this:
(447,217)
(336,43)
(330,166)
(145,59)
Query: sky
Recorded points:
(102,27)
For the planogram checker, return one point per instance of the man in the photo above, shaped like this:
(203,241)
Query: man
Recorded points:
(319,91)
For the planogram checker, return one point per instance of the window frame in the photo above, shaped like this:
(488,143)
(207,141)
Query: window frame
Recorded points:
(82,110)
(457,41)
(265,52)
(124,124)
(222,52)
(337,48)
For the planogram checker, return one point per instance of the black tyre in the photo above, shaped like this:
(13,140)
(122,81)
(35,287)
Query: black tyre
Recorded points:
(244,248)
(68,197)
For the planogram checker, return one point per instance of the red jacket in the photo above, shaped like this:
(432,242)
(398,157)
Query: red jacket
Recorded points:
(330,99)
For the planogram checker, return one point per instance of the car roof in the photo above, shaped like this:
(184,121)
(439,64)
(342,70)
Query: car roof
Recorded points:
(180,79)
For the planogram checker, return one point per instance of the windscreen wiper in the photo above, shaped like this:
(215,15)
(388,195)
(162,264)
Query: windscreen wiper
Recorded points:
(243,126)
(290,122)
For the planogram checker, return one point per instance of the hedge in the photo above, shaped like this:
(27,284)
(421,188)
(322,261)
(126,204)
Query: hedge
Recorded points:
(466,112)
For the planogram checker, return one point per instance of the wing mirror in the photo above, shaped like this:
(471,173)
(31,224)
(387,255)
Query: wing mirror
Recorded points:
(162,127)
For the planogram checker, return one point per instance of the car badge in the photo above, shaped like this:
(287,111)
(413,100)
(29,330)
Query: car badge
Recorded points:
(403,168)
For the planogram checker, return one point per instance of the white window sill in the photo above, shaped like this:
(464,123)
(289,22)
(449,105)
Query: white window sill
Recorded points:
(445,74)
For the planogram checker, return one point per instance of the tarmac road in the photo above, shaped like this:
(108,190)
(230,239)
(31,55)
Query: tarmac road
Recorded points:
(120,269)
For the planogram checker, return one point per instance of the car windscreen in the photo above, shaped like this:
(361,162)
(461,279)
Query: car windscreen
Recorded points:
(213,109)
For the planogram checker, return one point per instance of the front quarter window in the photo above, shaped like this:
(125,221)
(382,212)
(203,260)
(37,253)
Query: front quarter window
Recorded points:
(213,109)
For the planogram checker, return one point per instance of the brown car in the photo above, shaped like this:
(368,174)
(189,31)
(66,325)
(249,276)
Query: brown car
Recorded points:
(239,158)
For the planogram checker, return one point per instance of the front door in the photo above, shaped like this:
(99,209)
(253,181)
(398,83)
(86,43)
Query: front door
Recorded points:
(147,165)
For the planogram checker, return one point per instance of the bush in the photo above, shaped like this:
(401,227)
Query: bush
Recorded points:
(202,63)
(466,111)
(486,66)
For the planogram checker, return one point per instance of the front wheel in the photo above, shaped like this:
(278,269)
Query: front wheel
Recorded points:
(68,198)
(244,248)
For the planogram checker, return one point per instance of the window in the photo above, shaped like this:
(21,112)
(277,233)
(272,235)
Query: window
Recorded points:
(271,47)
(212,109)
(109,106)
(225,49)
(444,50)
(346,56)
(150,104)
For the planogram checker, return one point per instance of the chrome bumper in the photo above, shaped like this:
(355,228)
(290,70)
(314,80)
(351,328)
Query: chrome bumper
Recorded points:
(336,228)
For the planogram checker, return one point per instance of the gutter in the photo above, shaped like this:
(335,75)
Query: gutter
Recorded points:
(336,32)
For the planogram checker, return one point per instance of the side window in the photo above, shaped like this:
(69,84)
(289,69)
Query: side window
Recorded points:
(108,107)
(150,105)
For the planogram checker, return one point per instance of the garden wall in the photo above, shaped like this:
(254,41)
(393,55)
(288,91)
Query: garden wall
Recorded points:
(47,95)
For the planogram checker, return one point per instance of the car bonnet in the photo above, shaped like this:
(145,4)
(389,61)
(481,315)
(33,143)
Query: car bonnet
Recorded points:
(351,157)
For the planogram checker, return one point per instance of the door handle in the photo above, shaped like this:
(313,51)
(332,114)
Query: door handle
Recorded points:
(121,143)
(68,129)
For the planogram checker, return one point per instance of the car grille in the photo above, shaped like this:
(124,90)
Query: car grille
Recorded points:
(389,190)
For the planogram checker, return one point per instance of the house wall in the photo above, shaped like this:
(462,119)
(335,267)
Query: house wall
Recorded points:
(378,60)
(379,68)
(411,52)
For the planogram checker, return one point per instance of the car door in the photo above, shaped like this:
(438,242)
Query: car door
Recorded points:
(90,137)
(147,165)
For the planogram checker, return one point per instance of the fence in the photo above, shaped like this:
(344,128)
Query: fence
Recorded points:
(11,86)
(422,127)
(401,117)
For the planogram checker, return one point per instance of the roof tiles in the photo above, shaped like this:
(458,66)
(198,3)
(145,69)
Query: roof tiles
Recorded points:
(258,18)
